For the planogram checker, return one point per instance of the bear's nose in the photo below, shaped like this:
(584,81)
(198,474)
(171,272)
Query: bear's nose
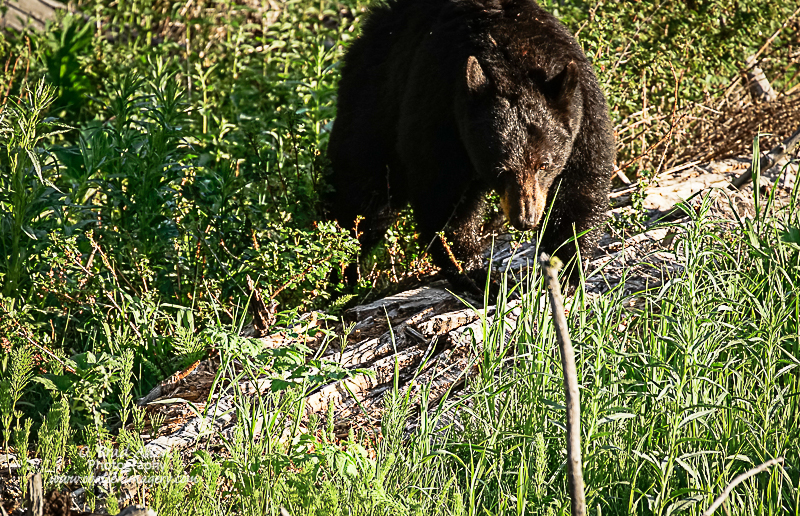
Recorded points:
(526,220)
(521,211)
(528,215)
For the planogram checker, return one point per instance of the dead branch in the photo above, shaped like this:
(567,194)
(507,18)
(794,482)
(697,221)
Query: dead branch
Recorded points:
(765,46)
(774,35)
(635,37)
(769,159)
(450,254)
(738,480)
(673,122)
(572,397)
(589,18)
(41,347)
(263,314)
(728,133)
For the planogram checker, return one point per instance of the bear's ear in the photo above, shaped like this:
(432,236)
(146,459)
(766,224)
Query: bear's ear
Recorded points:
(477,82)
(561,88)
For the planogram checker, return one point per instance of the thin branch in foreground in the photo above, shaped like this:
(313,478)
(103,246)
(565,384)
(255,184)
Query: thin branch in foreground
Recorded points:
(572,401)
(738,480)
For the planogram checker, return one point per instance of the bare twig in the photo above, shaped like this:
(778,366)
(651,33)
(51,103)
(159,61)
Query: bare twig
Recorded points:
(450,254)
(635,36)
(769,159)
(24,331)
(10,81)
(765,46)
(738,480)
(772,38)
(588,19)
(301,274)
(621,176)
(673,122)
(572,401)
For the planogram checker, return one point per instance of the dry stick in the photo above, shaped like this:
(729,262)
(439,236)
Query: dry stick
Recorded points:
(299,275)
(635,36)
(451,255)
(592,11)
(769,159)
(574,467)
(673,123)
(761,50)
(738,480)
(774,35)
(41,347)
(11,80)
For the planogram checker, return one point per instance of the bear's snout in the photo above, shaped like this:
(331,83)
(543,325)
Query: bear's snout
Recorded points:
(526,222)
(526,218)
(522,207)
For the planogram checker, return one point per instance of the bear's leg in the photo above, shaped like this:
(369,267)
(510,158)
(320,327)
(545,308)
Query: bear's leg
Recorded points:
(366,185)
(579,207)
(459,217)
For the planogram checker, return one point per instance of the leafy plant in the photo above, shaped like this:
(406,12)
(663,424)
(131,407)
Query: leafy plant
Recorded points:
(86,383)
(53,438)
(17,372)
(26,197)
(64,43)
(198,160)
(21,437)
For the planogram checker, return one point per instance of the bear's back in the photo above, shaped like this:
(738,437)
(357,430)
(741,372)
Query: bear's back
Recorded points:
(401,38)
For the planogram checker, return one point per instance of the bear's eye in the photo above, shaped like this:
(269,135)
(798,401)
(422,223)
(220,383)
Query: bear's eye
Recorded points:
(544,166)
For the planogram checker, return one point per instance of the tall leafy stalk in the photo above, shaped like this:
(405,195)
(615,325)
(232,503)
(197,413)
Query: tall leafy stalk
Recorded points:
(25,194)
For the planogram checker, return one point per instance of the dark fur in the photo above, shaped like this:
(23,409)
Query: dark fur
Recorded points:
(441,101)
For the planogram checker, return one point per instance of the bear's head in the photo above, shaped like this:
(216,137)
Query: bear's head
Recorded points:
(518,126)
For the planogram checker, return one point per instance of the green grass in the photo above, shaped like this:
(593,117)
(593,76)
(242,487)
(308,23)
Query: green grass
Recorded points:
(155,156)
(695,385)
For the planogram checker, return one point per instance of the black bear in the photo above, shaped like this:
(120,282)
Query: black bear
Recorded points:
(441,101)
